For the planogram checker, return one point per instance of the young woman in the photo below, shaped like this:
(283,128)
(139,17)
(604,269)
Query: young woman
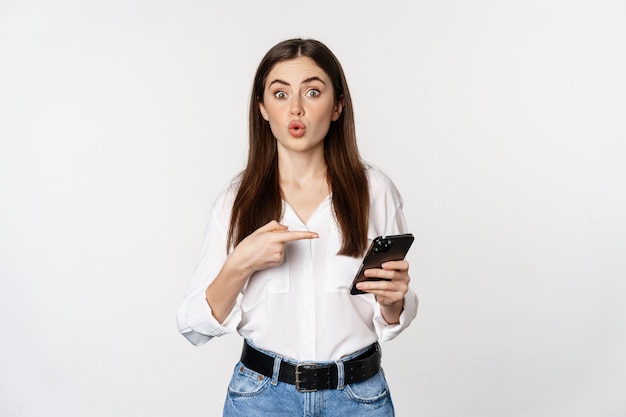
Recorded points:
(283,243)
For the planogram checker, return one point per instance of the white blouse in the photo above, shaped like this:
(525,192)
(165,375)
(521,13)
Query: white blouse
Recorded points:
(301,309)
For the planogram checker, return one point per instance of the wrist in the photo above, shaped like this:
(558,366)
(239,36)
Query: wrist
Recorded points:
(391,312)
(236,266)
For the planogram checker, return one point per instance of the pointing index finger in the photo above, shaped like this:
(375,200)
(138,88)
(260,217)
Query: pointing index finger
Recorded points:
(288,236)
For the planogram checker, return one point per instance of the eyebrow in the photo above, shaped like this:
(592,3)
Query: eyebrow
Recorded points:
(308,80)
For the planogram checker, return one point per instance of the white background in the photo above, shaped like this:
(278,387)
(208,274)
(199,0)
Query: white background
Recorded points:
(501,122)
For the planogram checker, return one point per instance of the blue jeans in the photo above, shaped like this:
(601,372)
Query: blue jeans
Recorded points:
(254,395)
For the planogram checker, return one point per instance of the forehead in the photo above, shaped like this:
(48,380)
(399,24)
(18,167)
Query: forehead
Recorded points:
(296,70)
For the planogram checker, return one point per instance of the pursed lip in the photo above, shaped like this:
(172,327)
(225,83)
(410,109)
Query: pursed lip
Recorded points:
(296,128)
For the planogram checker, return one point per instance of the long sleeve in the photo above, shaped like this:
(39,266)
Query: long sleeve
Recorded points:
(194,317)
(387,218)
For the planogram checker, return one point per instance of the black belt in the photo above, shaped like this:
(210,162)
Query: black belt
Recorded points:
(307,376)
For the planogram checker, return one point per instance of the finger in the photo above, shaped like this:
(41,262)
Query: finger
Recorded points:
(272,226)
(380,285)
(382,289)
(396,265)
(296,235)
(379,273)
(374,287)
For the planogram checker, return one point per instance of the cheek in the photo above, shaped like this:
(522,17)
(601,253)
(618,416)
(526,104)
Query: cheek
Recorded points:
(275,127)
(272,111)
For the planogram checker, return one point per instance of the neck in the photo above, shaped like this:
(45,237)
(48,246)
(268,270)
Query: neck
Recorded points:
(301,167)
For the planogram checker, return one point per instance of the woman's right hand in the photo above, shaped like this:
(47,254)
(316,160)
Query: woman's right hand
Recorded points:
(262,249)
(265,247)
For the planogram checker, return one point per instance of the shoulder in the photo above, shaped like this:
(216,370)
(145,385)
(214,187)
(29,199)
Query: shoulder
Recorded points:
(380,184)
(386,205)
(224,201)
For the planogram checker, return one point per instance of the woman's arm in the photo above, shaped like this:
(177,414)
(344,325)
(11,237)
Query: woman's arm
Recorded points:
(264,248)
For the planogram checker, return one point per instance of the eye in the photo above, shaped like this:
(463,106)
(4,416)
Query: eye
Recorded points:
(313,93)
(280,95)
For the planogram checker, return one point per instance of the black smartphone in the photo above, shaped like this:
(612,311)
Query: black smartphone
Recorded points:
(383,249)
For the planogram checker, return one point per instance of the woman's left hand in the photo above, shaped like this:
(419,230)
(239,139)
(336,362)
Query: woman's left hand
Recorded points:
(389,294)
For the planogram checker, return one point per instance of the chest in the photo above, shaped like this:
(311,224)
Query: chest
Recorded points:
(305,203)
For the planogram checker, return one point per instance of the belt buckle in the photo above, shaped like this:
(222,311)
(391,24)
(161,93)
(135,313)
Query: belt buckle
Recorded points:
(299,372)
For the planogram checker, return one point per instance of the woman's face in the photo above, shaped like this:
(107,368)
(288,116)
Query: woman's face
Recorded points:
(299,104)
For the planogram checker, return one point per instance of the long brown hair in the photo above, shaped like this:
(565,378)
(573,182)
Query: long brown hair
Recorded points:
(258,199)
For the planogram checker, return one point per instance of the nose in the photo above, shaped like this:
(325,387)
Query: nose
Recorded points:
(296,107)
